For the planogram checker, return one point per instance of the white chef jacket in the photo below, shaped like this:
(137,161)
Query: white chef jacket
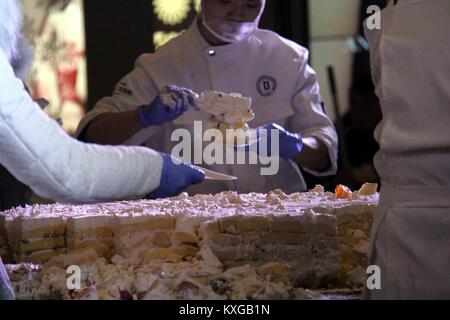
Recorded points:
(40,154)
(410,59)
(271,70)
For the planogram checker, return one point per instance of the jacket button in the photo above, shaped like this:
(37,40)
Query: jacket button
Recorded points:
(211,52)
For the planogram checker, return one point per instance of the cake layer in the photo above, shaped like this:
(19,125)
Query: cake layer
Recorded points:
(78,257)
(39,227)
(37,244)
(41,256)
(72,243)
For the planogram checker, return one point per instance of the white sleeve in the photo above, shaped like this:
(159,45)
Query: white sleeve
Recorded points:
(132,91)
(310,118)
(39,153)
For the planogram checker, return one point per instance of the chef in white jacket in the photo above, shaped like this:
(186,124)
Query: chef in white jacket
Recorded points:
(410,57)
(224,50)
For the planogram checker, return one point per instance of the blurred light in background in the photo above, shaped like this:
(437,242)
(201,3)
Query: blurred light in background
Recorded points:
(56,29)
(172,12)
(170,15)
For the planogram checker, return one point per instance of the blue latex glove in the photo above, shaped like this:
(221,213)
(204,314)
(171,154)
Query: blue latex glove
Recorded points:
(6,290)
(175,178)
(168,105)
(290,144)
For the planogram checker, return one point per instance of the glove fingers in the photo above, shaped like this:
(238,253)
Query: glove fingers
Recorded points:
(185,102)
(191,97)
(171,88)
(187,97)
(197,176)
(191,101)
(191,175)
(178,104)
(176,177)
(174,92)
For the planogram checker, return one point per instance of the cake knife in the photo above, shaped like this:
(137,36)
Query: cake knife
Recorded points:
(214,175)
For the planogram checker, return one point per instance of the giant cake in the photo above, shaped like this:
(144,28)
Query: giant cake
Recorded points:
(224,246)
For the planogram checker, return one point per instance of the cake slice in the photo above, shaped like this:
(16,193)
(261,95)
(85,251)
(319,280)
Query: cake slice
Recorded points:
(229,113)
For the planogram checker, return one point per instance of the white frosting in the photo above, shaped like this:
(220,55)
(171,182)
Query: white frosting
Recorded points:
(230,108)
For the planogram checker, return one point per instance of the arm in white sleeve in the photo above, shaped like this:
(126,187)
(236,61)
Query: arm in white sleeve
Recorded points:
(310,119)
(40,154)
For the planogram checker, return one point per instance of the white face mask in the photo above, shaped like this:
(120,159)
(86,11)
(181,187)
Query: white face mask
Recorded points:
(230,31)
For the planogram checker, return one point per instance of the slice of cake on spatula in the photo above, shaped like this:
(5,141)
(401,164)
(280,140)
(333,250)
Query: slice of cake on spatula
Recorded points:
(229,113)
